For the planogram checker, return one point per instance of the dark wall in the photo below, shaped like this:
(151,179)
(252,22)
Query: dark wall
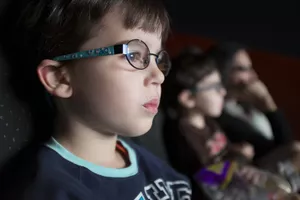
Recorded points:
(266,25)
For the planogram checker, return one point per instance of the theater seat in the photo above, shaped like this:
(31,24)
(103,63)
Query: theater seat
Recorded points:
(14,117)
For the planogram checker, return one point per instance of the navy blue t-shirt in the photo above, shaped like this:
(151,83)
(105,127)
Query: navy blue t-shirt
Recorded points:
(63,176)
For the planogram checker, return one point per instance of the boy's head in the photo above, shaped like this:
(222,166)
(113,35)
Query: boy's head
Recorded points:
(115,89)
(201,87)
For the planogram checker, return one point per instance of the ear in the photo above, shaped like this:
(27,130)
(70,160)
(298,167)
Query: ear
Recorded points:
(55,78)
(187,99)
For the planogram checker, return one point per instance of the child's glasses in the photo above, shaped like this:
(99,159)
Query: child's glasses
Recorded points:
(215,86)
(136,51)
(241,69)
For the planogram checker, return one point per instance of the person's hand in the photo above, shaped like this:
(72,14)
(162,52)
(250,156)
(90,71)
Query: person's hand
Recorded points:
(244,148)
(251,175)
(257,94)
(293,196)
(295,160)
(257,89)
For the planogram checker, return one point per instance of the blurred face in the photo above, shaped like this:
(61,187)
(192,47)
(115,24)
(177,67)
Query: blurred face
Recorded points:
(108,95)
(242,72)
(209,96)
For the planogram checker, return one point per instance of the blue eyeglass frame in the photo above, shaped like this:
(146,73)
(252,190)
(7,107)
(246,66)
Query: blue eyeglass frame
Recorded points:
(107,51)
(104,51)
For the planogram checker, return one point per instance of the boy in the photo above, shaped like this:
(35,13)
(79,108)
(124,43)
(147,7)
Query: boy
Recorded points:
(103,64)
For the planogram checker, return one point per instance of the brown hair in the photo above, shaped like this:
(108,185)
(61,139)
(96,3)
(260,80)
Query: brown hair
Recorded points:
(58,27)
(194,70)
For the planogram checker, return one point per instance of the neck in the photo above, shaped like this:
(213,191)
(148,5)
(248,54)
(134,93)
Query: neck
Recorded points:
(230,97)
(197,119)
(88,144)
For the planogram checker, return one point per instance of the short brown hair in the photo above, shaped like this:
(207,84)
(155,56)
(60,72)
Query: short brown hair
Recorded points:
(60,27)
(193,71)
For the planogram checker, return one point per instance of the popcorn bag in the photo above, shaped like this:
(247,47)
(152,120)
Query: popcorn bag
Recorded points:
(222,181)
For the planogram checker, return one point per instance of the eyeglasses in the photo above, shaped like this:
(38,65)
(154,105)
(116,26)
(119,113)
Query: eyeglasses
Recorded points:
(136,51)
(241,69)
(215,86)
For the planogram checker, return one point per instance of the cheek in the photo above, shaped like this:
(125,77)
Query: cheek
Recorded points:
(240,77)
(216,101)
(211,103)
(109,88)
(111,99)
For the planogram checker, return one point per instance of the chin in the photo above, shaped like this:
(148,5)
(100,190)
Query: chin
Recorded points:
(216,113)
(138,130)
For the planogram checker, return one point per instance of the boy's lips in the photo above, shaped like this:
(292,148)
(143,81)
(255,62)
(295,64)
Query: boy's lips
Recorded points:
(152,106)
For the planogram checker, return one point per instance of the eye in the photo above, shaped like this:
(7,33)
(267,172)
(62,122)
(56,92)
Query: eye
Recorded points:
(138,60)
(134,56)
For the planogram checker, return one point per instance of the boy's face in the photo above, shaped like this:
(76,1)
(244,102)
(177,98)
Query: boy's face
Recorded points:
(209,99)
(106,93)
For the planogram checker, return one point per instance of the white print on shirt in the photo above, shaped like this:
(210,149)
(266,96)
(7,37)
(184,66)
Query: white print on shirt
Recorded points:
(161,190)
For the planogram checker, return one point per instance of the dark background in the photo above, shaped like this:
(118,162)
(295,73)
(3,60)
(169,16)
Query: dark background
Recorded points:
(266,25)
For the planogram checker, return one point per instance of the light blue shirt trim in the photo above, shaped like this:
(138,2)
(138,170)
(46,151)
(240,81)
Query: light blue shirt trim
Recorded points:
(102,171)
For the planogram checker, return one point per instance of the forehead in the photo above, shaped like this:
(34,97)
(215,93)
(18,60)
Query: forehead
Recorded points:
(242,58)
(111,31)
(212,78)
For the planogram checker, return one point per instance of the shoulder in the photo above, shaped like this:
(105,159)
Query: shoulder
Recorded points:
(54,188)
(55,179)
(39,173)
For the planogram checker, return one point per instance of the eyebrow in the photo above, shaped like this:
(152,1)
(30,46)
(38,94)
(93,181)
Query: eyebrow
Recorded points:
(159,49)
(126,41)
